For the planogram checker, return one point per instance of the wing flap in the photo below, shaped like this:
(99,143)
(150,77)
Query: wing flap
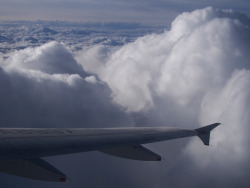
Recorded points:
(133,152)
(33,168)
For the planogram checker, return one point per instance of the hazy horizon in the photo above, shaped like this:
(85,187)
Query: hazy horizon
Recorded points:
(146,12)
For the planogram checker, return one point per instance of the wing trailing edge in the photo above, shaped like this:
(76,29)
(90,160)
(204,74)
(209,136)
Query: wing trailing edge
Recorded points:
(37,169)
(22,148)
(133,152)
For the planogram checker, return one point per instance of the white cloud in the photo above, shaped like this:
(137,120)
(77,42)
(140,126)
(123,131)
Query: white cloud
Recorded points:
(198,71)
(50,58)
(198,53)
(46,87)
(195,73)
(230,105)
(91,79)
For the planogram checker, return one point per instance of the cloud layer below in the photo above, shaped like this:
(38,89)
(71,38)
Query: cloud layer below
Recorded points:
(195,74)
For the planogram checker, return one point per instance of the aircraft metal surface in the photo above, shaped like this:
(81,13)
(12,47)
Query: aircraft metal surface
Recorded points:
(21,149)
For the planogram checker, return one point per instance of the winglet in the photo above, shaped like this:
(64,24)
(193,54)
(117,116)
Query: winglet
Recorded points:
(204,132)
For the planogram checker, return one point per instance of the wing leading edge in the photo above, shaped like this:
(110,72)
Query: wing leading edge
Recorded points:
(21,149)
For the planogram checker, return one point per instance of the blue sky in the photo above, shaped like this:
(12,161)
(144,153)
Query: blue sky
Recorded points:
(144,11)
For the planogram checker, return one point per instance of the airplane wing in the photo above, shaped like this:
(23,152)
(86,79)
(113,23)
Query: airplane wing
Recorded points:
(21,149)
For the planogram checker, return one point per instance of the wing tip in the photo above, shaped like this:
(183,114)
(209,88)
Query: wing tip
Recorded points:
(207,129)
(204,133)
(158,159)
(62,179)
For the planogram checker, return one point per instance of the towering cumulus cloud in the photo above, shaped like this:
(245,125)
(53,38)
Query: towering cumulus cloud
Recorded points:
(200,52)
(194,74)
(198,71)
